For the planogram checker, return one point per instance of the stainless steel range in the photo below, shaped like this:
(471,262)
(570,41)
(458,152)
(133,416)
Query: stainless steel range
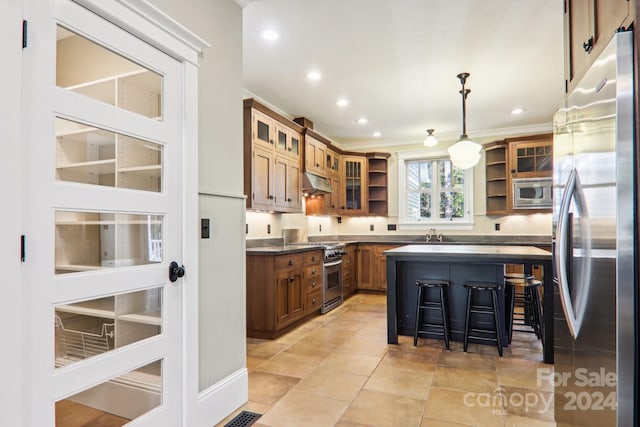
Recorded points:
(331,274)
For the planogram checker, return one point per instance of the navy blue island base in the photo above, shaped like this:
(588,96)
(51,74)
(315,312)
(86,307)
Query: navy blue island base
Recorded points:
(459,264)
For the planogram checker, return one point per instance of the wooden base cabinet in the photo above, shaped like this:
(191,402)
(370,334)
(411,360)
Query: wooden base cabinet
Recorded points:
(372,266)
(282,290)
(349,284)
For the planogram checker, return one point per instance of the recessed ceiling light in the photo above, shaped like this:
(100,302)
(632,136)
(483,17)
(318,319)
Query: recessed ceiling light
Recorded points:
(314,75)
(517,110)
(362,120)
(342,102)
(377,134)
(270,35)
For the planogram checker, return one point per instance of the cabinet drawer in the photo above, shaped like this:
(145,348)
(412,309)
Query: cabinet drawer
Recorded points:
(289,261)
(313,284)
(347,262)
(313,271)
(313,258)
(314,301)
(347,285)
(347,274)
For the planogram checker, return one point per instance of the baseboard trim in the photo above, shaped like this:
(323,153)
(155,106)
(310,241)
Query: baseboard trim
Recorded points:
(220,400)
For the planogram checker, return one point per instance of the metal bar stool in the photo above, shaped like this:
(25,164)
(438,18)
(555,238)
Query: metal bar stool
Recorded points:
(423,304)
(480,309)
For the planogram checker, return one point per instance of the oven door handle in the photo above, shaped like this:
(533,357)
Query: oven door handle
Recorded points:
(332,263)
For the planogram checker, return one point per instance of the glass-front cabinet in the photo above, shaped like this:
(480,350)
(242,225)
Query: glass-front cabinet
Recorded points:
(531,158)
(354,185)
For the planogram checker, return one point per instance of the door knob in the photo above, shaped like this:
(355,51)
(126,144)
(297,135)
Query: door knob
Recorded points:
(175,271)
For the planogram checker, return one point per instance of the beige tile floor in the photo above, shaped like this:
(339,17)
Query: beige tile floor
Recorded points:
(337,370)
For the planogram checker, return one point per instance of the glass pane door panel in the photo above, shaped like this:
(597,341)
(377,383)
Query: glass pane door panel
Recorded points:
(115,402)
(90,155)
(88,328)
(96,240)
(295,146)
(90,69)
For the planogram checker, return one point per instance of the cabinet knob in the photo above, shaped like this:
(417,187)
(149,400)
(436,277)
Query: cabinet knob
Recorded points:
(290,262)
(270,197)
(513,171)
(588,45)
(313,301)
(271,141)
(289,148)
(175,271)
(291,279)
(333,206)
(314,284)
(313,258)
(317,165)
(289,200)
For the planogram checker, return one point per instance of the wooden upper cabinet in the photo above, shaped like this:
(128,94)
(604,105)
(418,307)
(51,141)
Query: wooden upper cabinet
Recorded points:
(514,158)
(589,25)
(262,185)
(263,129)
(498,187)
(377,184)
(272,160)
(354,185)
(332,163)
(315,153)
(287,141)
(531,157)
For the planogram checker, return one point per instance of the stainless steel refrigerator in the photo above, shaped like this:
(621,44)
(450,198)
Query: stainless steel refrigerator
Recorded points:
(595,318)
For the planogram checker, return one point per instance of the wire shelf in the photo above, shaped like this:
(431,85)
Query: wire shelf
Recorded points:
(94,340)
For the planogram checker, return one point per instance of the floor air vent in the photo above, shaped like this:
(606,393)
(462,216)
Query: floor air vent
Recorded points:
(243,419)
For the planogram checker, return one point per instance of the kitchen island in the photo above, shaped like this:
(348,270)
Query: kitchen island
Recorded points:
(458,264)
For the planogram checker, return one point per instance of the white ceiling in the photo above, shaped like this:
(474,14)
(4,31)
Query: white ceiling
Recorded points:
(396,61)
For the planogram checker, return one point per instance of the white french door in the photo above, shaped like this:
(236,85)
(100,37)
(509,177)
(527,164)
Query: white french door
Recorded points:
(104,221)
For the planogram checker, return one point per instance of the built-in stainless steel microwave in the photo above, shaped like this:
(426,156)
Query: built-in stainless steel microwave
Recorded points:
(532,193)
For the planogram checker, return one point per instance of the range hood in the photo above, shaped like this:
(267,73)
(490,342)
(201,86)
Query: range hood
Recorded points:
(315,184)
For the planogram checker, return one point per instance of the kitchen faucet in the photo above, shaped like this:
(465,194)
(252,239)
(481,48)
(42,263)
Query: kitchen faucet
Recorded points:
(430,234)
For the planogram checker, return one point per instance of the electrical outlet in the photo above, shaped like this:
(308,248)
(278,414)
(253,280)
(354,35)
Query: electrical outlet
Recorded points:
(320,228)
(204,228)
(268,228)
(391,227)
(371,227)
(497,226)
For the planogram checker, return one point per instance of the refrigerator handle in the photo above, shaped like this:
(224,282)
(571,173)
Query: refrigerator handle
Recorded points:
(560,255)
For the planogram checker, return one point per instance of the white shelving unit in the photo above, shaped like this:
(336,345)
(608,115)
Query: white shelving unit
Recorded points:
(88,328)
(87,241)
(88,155)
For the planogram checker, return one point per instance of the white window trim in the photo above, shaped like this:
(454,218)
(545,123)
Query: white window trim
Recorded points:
(403,222)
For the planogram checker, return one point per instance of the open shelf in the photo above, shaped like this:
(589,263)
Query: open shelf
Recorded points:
(377,195)
(496,179)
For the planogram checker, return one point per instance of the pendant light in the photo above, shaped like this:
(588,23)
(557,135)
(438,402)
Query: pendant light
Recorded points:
(464,153)
(430,140)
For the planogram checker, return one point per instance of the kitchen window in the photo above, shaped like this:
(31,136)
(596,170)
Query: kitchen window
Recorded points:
(433,192)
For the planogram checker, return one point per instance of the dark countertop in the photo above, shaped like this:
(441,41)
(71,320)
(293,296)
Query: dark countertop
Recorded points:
(437,251)
(275,246)
(282,250)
